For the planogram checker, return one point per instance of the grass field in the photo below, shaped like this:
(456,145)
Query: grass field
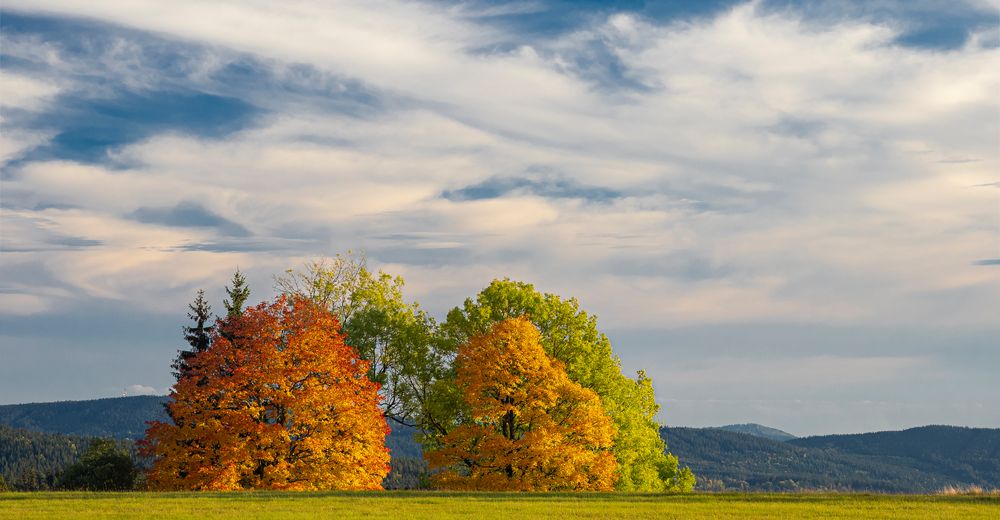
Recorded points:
(419,505)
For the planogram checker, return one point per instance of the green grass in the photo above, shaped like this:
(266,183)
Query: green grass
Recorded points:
(419,505)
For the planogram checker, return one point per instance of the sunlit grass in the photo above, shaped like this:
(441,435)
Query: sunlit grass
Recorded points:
(420,505)
(969,491)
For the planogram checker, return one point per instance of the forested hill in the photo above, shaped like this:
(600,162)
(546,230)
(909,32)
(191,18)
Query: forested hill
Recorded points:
(31,460)
(966,454)
(923,459)
(119,417)
(926,442)
(758,430)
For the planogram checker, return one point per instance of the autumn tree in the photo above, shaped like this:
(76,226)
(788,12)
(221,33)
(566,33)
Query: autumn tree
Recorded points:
(393,335)
(528,427)
(570,335)
(278,402)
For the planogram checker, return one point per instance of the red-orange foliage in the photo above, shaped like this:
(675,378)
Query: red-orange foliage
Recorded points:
(530,427)
(277,402)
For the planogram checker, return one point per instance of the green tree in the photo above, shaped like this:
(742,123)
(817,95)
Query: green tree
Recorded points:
(197,336)
(238,295)
(570,335)
(394,336)
(3,485)
(103,467)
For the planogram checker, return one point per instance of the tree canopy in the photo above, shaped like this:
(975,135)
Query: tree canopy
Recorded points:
(570,335)
(278,402)
(392,335)
(529,427)
(103,467)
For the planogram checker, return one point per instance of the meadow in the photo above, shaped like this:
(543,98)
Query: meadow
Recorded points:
(522,506)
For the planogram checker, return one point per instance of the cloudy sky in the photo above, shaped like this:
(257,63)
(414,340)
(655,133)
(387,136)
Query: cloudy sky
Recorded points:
(786,212)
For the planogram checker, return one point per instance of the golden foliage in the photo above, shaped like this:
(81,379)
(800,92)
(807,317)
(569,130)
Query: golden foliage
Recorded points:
(277,402)
(529,427)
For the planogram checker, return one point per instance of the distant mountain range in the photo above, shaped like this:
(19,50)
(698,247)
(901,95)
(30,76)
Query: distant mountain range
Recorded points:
(735,457)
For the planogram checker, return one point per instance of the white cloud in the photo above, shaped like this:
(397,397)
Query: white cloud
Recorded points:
(25,94)
(806,174)
(143,390)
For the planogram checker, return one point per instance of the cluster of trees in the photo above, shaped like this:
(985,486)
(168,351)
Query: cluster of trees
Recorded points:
(515,390)
(35,461)
(277,401)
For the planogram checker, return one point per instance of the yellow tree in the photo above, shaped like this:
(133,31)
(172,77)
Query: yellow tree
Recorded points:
(278,402)
(528,427)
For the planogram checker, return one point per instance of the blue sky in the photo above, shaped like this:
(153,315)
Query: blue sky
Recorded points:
(786,212)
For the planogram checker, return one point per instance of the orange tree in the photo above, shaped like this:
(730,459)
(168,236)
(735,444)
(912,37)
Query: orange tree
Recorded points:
(570,335)
(278,402)
(527,426)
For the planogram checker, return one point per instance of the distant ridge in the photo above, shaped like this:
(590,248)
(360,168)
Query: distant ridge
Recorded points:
(759,430)
(918,460)
(119,417)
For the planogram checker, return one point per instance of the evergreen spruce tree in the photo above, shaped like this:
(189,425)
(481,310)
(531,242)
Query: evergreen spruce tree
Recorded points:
(199,336)
(238,294)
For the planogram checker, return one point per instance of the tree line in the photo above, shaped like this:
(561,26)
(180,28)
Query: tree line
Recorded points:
(514,390)
(37,461)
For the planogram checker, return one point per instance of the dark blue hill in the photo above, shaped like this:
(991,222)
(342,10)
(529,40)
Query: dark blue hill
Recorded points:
(119,417)
(918,460)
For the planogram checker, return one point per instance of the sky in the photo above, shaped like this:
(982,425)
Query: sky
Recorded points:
(785,212)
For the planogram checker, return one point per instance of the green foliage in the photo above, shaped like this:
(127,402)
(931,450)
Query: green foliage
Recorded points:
(34,461)
(570,335)
(407,473)
(3,485)
(238,293)
(395,336)
(684,480)
(30,461)
(392,334)
(103,467)
(329,282)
